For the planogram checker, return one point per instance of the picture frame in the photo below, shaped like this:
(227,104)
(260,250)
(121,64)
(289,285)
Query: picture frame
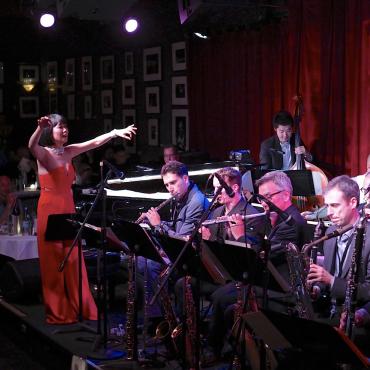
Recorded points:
(1,101)
(152,99)
(179,90)
(153,131)
(107,102)
(71,113)
(107,69)
(107,125)
(152,64)
(29,73)
(179,56)
(128,92)
(28,106)
(180,129)
(52,72)
(53,102)
(129,118)
(87,107)
(1,73)
(69,75)
(86,73)
(129,62)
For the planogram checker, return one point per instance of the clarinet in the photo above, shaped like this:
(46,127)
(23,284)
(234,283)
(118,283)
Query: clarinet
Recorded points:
(350,300)
(142,217)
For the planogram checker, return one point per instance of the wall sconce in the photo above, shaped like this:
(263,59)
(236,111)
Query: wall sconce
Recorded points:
(52,76)
(28,76)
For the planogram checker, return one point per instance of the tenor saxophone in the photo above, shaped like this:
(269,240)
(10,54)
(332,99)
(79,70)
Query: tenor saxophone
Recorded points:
(298,273)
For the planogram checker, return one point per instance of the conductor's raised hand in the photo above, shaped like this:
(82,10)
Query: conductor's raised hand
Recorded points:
(44,122)
(126,133)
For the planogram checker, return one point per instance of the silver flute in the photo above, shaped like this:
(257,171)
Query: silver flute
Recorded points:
(223,219)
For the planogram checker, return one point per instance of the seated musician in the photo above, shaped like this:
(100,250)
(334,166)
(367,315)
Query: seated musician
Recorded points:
(276,187)
(278,152)
(341,197)
(189,205)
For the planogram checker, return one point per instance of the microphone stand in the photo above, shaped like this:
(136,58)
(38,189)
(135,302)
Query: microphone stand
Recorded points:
(190,241)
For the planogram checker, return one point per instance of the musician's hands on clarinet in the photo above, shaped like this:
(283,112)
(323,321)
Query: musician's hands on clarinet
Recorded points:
(153,217)
(319,274)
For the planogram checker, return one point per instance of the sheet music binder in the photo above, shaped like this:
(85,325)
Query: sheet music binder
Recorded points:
(61,226)
(139,241)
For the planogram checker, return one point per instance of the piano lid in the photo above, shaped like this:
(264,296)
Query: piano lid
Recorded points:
(142,182)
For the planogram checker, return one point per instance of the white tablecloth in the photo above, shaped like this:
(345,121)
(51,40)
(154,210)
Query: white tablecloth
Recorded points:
(19,247)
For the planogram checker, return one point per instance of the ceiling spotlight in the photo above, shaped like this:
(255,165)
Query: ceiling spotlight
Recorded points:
(131,25)
(47,20)
(201,35)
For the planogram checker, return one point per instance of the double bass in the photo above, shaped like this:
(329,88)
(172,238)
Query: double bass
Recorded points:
(320,180)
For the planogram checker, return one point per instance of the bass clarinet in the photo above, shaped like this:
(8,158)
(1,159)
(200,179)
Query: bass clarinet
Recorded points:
(350,300)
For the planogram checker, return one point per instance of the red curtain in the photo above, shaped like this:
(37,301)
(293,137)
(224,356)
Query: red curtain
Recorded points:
(237,80)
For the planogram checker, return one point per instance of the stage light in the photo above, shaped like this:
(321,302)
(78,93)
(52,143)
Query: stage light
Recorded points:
(131,25)
(47,20)
(201,35)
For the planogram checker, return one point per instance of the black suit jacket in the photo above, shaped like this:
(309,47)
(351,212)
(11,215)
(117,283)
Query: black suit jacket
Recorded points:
(271,158)
(254,225)
(338,289)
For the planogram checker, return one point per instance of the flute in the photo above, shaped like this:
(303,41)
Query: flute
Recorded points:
(142,217)
(223,219)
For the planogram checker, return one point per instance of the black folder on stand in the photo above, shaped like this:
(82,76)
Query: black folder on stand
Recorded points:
(316,341)
(139,241)
(62,226)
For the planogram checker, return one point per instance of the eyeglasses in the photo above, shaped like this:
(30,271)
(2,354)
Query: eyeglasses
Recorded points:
(365,190)
(269,196)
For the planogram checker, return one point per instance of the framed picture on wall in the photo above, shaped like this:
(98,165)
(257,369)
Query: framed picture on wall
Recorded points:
(1,101)
(87,107)
(29,73)
(108,126)
(152,64)
(52,74)
(70,74)
(179,56)
(107,101)
(86,73)
(129,62)
(128,92)
(71,107)
(107,69)
(152,99)
(53,102)
(129,118)
(180,128)
(153,132)
(179,90)
(28,106)
(1,72)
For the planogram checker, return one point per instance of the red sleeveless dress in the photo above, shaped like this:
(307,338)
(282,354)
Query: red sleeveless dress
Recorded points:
(60,289)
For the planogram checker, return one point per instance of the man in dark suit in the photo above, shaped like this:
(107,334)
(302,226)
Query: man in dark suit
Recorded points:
(341,197)
(276,187)
(279,152)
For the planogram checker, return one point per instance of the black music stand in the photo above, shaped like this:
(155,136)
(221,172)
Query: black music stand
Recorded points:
(309,343)
(140,243)
(64,227)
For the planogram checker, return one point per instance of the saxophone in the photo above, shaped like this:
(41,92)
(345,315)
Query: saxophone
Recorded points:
(298,272)
(131,313)
(169,327)
(350,300)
